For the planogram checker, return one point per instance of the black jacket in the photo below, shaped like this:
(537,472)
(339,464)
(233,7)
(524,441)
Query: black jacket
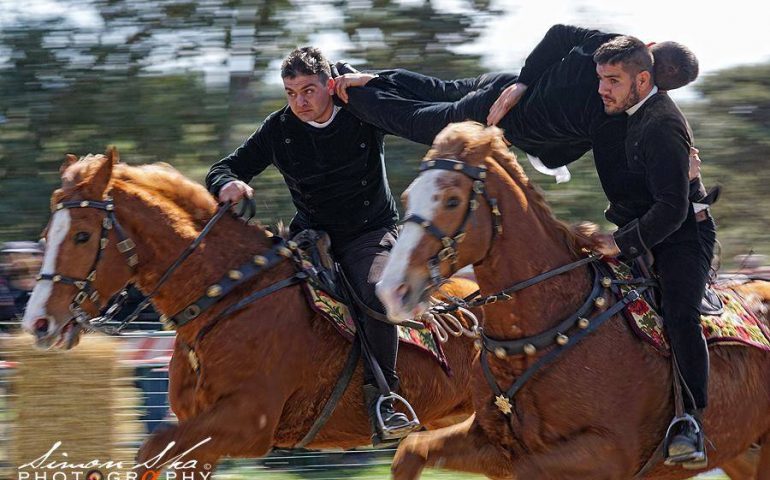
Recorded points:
(561,113)
(336,175)
(650,193)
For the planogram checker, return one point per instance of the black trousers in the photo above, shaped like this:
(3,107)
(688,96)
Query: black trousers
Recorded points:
(683,270)
(418,107)
(363,260)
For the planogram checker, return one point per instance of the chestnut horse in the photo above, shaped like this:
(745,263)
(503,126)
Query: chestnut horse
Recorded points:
(267,370)
(601,409)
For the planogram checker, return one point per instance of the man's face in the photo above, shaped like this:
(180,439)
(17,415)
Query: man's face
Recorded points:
(308,98)
(617,87)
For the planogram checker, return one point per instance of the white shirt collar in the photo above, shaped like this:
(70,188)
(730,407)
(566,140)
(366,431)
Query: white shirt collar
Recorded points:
(326,123)
(636,107)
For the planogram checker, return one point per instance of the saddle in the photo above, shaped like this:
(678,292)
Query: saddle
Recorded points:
(711,304)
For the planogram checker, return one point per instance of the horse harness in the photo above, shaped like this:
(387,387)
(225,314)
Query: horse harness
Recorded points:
(558,337)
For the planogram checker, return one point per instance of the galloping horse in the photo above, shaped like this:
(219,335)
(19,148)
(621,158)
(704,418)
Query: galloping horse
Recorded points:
(263,372)
(600,410)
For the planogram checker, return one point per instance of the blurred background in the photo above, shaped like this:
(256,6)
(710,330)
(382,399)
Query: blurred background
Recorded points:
(185,82)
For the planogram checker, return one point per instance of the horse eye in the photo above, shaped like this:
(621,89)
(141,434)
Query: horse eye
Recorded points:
(452,202)
(82,237)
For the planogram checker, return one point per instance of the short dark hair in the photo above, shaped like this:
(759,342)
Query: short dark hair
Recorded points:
(629,51)
(675,65)
(306,61)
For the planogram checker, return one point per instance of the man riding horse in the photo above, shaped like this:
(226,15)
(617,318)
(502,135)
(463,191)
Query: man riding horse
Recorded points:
(333,164)
(641,144)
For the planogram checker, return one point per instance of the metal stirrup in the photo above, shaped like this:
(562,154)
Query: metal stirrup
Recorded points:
(396,432)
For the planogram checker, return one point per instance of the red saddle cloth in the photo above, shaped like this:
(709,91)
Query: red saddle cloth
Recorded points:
(339,315)
(736,325)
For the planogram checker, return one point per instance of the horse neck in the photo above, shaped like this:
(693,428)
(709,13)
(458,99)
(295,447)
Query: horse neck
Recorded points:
(531,243)
(161,237)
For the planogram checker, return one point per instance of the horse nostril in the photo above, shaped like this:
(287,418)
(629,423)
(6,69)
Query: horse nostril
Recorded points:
(402,291)
(41,327)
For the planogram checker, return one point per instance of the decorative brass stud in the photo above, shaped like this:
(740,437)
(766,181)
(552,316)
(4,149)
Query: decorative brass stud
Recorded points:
(38,278)
(80,285)
(91,276)
(477,344)
(107,223)
(495,210)
(431,163)
(458,166)
(606,282)
(474,204)
(502,402)
(59,206)
(600,302)
(260,260)
(84,203)
(56,278)
(109,207)
(235,274)
(500,352)
(530,349)
(284,252)
(583,323)
(268,234)
(482,175)
(425,224)
(193,359)
(214,291)
(103,243)
(94,296)
(292,245)
(163,319)
(562,339)
(133,260)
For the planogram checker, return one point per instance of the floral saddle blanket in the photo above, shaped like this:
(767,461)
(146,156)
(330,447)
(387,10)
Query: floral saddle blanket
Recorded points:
(736,324)
(338,313)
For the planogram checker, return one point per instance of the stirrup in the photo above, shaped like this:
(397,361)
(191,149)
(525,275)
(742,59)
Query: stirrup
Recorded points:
(690,460)
(396,432)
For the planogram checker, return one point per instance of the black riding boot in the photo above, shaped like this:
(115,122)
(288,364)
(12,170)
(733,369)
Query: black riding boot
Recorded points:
(686,446)
(396,424)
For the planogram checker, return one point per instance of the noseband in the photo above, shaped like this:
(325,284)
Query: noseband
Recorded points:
(450,242)
(125,246)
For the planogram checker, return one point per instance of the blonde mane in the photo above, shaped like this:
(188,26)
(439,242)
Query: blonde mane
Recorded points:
(472,143)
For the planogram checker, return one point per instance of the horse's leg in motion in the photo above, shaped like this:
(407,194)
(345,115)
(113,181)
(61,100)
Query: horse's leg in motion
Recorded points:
(462,447)
(239,425)
(742,467)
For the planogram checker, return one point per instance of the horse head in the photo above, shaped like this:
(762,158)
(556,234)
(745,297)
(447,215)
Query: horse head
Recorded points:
(451,217)
(82,265)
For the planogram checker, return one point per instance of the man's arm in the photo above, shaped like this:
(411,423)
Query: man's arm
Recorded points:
(247,161)
(666,156)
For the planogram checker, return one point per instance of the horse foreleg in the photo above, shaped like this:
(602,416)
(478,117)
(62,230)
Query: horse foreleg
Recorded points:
(462,447)
(240,425)
(587,455)
(742,467)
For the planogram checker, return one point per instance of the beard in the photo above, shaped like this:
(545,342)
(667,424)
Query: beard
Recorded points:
(631,99)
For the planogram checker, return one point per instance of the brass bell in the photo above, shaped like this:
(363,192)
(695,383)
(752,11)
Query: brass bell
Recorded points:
(529,349)
(500,352)
(600,302)
(562,339)
(235,274)
(583,323)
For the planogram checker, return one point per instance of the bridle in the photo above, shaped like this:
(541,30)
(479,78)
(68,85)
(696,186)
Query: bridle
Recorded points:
(125,246)
(449,243)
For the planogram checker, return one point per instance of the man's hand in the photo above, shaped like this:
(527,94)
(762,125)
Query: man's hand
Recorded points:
(605,244)
(505,102)
(234,191)
(342,83)
(694,163)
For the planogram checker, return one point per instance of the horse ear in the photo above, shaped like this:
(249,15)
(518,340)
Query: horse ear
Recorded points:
(112,154)
(99,181)
(69,159)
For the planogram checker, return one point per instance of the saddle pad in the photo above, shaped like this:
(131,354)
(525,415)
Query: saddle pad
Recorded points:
(339,315)
(737,325)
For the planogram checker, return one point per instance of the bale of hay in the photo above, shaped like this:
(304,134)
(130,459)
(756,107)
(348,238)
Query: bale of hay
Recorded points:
(80,400)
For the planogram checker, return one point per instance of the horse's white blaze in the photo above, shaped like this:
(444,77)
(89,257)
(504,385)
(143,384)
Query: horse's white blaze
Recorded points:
(423,202)
(57,232)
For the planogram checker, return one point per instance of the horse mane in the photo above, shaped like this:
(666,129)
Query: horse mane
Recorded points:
(473,142)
